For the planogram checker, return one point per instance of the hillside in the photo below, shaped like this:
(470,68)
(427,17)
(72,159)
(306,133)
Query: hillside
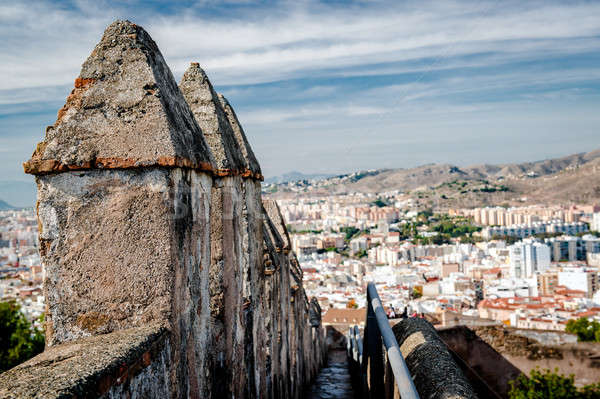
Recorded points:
(295,176)
(4,206)
(574,178)
(433,175)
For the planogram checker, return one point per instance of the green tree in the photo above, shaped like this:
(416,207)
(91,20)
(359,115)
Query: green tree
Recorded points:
(361,254)
(584,329)
(350,232)
(19,340)
(546,384)
(379,203)
(417,292)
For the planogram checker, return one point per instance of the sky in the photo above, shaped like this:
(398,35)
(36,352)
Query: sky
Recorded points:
(336,86)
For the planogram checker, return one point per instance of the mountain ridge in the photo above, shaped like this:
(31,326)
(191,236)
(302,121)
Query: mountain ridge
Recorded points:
(567,179)
(4,206)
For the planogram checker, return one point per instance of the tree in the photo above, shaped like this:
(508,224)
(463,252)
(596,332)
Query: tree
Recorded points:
(417,292)
(19,340)
(546,384)
(361,254)
(379,203)
(350,232)
(584,329)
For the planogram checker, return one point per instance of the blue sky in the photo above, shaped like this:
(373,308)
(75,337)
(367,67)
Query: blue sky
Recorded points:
(337,86)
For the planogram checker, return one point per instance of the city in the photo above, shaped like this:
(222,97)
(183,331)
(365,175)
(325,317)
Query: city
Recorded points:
(306,200)
(532,267)
(452,267)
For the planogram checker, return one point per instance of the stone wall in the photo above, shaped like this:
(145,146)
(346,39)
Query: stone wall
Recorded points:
(434,371)
(500,354)
(150,213)
(125,363)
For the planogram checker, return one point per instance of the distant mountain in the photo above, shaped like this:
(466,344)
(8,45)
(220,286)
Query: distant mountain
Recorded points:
(433,174)
(570,179)
(4,206)
(295,176)
(22,194)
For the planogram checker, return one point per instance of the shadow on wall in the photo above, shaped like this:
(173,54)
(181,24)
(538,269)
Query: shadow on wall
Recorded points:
(498,355)
(480,358)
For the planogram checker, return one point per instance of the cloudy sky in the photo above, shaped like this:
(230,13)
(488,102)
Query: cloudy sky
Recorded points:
(337,86)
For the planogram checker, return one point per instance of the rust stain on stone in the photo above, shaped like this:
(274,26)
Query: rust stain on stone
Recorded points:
(46,166)
(225,172)
(37,166)
(146,359)
(80,82)
(74,99)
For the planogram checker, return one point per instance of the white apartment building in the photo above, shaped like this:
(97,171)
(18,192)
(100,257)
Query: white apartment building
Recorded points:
(358,244)
(528,258)
(581,279)
(595,222)
(527,230)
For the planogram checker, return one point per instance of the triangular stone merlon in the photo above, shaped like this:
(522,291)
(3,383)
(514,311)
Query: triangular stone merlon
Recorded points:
(125,112)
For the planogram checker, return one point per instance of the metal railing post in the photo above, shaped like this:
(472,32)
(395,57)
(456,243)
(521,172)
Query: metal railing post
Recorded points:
(373,364)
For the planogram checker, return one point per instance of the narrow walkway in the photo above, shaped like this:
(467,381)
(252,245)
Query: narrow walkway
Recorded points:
(334,379)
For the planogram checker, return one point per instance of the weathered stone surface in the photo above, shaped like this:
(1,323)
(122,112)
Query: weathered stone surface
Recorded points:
(252,165)
(216,129)
(500,354)
(160,241)
(128,362)
(124,248)
(125,111)
(228,226)
(276,219)
(434,372)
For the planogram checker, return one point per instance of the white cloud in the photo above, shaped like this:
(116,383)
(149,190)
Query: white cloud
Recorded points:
(44,44)
(476,46)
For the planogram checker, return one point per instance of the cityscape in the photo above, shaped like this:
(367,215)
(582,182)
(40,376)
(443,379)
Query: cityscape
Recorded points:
(311,199)
(532,267)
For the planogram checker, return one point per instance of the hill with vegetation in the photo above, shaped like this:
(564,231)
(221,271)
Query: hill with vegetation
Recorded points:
(571,179)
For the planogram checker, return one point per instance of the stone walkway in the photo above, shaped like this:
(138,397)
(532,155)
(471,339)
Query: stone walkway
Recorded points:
(334,380)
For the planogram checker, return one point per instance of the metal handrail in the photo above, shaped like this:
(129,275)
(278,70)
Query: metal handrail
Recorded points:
(402,376)
(367,359)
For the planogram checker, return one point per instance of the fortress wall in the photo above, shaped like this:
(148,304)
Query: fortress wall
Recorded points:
(126,363)
(500,354)
(150,214)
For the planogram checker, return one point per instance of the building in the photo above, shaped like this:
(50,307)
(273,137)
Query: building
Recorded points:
(447,268)
(358,244)
(581,279)
(547,283)
(530,229)
(571,249)
(595,222)
(528,258)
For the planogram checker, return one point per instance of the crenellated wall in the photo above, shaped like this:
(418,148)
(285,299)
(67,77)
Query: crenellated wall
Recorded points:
(154,234)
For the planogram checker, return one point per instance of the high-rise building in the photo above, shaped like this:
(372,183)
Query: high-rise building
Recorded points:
(573,248)
(528,258)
